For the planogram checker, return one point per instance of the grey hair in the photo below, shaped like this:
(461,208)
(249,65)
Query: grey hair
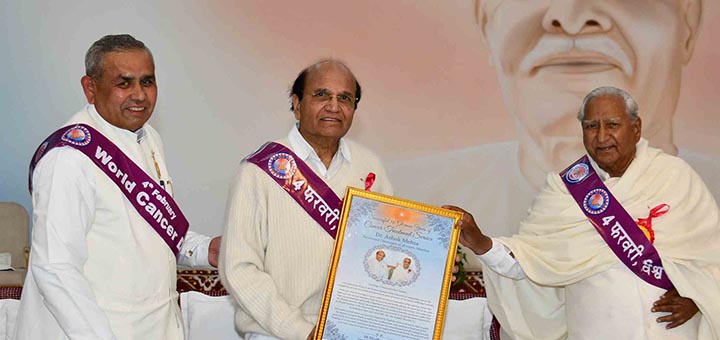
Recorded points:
(631,107)
(107,44)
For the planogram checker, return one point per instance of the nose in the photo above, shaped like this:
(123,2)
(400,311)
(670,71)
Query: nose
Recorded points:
(574,17)
(602,134)
(333,105)
(138,93)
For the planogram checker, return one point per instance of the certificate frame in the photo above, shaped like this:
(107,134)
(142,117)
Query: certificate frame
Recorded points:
(360,301)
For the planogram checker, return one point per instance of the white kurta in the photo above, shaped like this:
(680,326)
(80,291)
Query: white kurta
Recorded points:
(578,289)
(97,269)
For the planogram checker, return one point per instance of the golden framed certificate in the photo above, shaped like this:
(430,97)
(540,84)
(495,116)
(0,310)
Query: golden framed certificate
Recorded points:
(391,270)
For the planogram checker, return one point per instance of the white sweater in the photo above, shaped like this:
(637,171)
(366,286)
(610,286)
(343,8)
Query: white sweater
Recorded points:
(274,257)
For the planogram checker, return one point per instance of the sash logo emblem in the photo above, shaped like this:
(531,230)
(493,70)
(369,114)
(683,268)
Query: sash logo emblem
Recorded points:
(282,165)
(577,173)
(77,135)
(596,201)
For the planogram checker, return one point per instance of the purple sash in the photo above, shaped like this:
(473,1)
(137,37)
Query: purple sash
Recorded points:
(148,198)
(301,183)
(614,224)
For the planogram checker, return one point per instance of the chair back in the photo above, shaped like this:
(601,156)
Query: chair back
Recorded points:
(14,229)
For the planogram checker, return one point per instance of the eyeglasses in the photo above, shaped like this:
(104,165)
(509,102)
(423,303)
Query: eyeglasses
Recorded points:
(325,96)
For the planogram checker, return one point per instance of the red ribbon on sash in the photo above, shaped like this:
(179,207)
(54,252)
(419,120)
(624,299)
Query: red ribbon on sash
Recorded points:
(155,205)
(646,223)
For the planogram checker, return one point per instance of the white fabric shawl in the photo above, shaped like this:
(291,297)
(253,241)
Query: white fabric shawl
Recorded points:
(557,246)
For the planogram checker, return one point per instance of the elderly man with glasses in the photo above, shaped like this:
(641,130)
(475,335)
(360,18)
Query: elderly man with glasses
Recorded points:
(284,207)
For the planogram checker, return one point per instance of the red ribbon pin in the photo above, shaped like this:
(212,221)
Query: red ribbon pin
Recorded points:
(369,181)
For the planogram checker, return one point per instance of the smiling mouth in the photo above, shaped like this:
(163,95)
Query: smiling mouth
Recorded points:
(605,149)
(327,119)
(136,109)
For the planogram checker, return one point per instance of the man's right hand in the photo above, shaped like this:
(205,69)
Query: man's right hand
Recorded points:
(470,234)
(681,309)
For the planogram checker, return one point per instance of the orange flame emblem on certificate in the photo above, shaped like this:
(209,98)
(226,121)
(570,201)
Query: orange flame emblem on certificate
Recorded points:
(400,214)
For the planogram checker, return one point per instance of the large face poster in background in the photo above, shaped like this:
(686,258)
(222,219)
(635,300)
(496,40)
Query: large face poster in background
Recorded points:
(467,103)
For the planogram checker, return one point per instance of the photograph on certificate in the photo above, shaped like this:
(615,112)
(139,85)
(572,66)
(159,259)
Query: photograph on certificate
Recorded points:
(391,270)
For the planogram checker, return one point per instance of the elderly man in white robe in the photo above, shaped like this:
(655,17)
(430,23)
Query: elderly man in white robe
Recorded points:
(403,273)
(558,278)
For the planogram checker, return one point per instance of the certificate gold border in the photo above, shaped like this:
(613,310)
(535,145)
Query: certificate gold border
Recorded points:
(350,193)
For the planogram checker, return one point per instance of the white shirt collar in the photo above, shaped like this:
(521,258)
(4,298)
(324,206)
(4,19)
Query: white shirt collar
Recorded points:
(306,152)
(139,135)
(303,149)
(604,175)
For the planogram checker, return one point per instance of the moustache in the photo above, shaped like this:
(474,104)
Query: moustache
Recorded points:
(550,46)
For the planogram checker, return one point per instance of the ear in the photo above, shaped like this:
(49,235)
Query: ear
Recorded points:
(693,18)
(88,85)
(481,19)
(637,126)
(481,16)
(296,105)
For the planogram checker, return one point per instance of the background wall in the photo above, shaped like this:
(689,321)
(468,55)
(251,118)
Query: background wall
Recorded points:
(224,69)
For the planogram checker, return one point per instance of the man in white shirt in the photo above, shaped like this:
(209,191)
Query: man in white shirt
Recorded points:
(403,273)
(276,252)
(378,266)
(560,278)
(98,270)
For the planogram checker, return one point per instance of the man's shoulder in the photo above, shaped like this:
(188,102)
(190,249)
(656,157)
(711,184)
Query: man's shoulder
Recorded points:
(249,174)
(150,130)
(284,141)
(63,164)
(64,156)
(706,166)
(361,152)
(668,162)
(81,117)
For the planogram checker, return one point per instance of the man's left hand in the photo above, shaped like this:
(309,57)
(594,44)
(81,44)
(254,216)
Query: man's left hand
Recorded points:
(470,235)
(681,309)
(214,251)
